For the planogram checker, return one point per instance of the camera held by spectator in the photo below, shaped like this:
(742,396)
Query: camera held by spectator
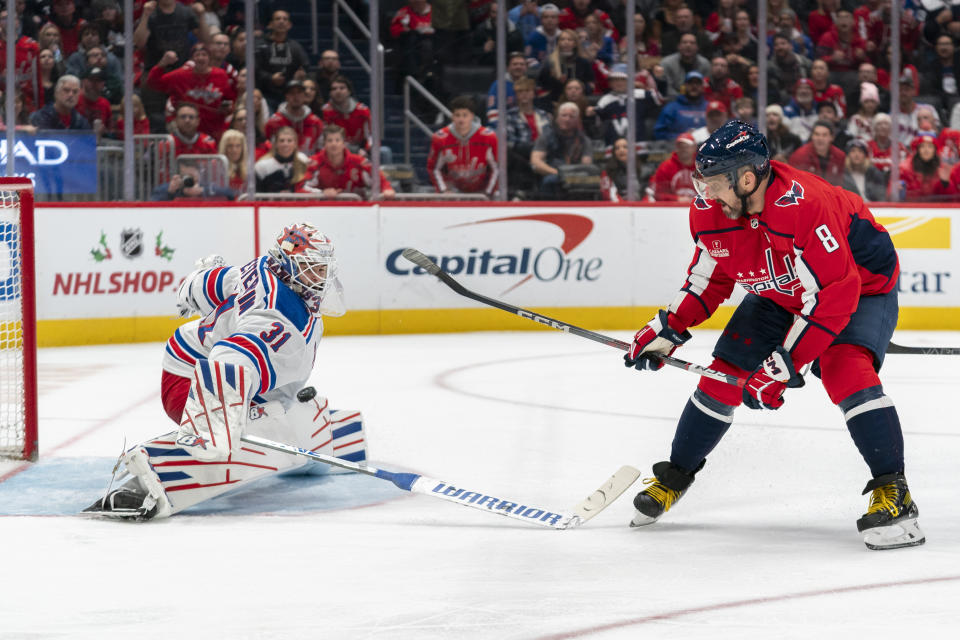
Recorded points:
(189,183)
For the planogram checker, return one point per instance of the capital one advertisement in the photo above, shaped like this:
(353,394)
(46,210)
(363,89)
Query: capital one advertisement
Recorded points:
(530,256)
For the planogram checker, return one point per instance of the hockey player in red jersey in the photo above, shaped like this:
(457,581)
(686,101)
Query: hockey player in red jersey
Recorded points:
(820,275)
(463,155)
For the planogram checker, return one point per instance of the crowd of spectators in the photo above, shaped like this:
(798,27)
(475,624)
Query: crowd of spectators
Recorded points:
(566,114)
(190,83)
(827,95)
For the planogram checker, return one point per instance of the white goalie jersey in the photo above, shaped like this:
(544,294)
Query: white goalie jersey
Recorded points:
(249,318)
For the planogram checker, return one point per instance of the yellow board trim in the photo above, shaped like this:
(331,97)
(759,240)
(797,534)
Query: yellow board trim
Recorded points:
(61,333)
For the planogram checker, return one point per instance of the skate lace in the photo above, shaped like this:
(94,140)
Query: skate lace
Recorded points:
(660,493)
(885,498)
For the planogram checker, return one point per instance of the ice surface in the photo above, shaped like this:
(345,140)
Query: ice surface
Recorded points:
(764,545)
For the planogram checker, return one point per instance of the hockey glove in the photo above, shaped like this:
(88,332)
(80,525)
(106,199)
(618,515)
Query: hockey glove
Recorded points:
(187,305)
(765,386)
(655,339)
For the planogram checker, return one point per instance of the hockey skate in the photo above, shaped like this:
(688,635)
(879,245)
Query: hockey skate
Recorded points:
(129,501)
(666,488)
(891,519)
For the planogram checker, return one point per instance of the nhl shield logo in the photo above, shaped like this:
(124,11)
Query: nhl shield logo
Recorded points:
(131,243)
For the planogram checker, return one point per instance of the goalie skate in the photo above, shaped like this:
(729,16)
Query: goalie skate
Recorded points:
(125,502)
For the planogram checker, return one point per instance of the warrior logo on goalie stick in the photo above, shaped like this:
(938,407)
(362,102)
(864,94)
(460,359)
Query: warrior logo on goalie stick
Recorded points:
(192,441)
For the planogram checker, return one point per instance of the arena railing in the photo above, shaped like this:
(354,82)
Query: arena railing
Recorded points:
(409,116)
(350,197)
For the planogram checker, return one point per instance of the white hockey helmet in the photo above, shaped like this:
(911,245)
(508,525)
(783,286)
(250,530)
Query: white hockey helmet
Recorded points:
(307,256)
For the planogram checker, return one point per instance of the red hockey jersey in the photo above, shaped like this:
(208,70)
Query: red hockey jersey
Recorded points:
(673,181)
(468,164)
(309,128)
(406,19)
(352,176)
(355,123)
(200,143)
(208,92)
(25,77)
(815,249)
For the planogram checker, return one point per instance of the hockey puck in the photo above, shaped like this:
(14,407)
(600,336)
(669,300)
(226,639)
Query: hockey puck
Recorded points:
(306,394)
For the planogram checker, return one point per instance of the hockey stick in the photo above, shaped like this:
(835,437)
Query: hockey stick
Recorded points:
(430,267)
(414,483)
(929,351)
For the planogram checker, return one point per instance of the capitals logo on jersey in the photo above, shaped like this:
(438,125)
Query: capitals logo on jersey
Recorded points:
(701,204)
(791,197)
(765,279)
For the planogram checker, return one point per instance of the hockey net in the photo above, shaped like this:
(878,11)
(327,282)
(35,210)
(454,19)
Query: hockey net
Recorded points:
(18,346)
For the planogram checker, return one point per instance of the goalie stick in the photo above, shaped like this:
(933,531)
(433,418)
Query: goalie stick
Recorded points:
(430,267)
(415,483)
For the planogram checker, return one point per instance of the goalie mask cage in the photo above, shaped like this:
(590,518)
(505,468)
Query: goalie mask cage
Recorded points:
(18,326)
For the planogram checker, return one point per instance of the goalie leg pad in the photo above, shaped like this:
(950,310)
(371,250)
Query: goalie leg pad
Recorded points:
(312,425)
(164,467)
(215,414)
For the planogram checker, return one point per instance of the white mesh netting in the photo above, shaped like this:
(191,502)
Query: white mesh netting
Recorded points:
(12,403)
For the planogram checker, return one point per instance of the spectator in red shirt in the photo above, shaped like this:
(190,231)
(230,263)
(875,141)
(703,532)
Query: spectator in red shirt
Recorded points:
(25,59)
(673,180)
(574,15)
(824,91)
(720,22)
(91,103)
(412,27)
(720,86)
(955,178)
(881,146)
(819,156)
(463,155)
(335,170)
(141,123)
(923,176)
(879,37)
(820,22)
(296,114)
(842,47)
(63,13)
(186,137)
(350,115)
(208,88)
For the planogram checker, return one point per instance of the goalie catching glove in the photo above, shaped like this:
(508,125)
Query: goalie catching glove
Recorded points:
(765,386)
(658,338)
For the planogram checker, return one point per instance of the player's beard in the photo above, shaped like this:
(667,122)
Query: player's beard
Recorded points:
(731,212)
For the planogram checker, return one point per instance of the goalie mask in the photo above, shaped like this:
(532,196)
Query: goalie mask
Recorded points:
(307,258)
